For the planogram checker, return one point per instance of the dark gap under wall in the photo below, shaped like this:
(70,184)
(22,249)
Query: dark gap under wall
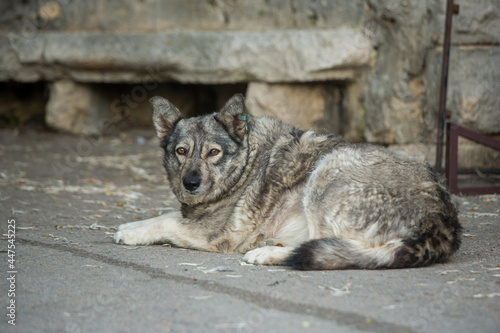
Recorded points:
(22,103)
(25,103)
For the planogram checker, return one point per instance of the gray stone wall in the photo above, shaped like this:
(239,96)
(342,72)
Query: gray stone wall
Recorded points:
(367,69)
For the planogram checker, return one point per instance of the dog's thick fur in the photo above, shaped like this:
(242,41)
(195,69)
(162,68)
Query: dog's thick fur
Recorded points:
(288,197)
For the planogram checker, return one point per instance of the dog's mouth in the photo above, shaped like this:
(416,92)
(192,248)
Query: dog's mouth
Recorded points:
(193,186)
(192,197)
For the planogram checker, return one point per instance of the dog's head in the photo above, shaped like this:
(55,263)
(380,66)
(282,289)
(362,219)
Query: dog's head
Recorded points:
(204,156)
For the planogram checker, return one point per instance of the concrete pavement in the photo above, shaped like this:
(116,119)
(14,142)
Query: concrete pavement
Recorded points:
(67,194)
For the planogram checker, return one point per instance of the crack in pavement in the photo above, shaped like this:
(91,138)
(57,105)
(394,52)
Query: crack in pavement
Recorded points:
(342,318)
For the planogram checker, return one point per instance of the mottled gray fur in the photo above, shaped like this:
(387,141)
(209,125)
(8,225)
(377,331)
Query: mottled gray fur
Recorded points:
(288,197)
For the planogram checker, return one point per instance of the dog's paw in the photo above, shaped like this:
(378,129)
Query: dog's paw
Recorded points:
(267,255)
(122,237)
(132,236)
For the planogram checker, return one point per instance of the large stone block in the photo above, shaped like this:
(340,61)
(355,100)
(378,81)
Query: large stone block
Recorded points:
(76,108)
(473,88)
(158,15)
(190,57)
(391,94)
(306,106)
(476,23)
(393,112)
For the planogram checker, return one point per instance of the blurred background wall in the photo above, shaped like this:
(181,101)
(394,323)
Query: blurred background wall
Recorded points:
(366,69)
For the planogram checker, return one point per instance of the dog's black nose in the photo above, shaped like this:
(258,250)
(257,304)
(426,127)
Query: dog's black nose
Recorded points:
(191,183)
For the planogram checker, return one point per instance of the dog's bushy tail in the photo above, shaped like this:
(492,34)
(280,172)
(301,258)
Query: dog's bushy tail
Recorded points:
(332,253)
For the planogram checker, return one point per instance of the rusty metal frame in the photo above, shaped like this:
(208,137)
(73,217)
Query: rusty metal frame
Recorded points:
(451,9)
(453,131)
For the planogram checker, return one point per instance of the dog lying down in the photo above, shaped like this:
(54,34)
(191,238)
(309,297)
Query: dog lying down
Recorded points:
(283,196)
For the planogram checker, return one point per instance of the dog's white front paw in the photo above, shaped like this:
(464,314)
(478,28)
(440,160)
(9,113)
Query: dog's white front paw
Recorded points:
(124,237)
(267,255)
(132,234)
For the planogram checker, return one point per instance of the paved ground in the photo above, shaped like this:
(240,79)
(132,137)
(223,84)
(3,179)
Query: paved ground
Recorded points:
(67,194)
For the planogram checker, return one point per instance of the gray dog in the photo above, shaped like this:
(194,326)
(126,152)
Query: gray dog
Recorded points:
(288,197)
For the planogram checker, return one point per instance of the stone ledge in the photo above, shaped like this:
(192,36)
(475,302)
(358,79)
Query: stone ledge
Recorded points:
(187,57)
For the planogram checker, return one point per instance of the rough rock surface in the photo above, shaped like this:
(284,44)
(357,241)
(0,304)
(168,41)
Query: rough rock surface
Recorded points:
(75,108)
(473,86)
(306,106)
(188,57)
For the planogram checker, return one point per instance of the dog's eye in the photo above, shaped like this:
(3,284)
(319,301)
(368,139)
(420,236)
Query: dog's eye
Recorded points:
(214,152)
(181,151)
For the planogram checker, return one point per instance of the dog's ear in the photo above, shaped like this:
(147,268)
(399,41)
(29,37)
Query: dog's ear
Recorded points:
(233,116)
(165,115)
